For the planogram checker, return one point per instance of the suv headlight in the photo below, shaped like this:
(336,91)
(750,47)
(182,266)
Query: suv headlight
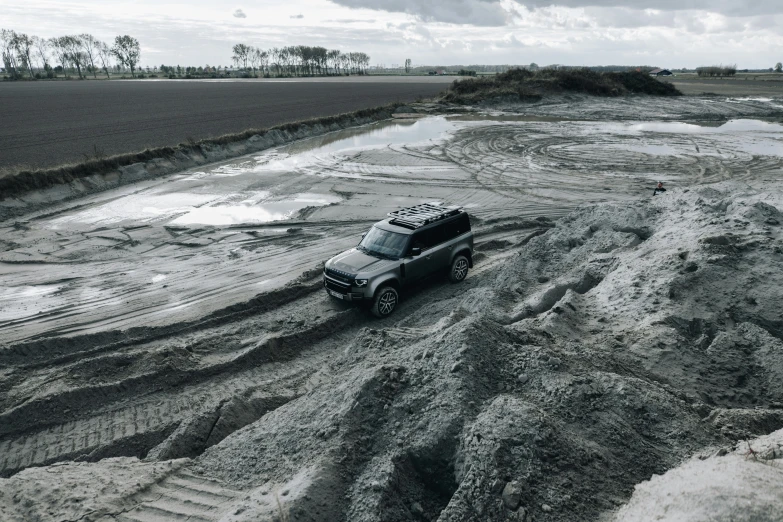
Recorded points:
(360,282)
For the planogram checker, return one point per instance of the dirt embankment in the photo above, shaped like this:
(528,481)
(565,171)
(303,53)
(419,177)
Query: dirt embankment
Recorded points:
(525,85)
(574,363)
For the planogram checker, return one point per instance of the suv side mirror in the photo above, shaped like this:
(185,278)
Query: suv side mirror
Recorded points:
(364,234)
(415,251)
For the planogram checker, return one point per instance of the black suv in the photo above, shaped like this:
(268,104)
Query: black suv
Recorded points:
(411,244)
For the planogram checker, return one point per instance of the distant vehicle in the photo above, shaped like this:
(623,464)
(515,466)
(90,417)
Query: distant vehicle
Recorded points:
(400,251)
(432,73)
(661,72)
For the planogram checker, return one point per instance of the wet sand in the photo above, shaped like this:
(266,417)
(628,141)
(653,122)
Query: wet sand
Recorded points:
(181,320)
(178,248)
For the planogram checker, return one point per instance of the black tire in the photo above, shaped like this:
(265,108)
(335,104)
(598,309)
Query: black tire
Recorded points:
(385,301)
(459,269)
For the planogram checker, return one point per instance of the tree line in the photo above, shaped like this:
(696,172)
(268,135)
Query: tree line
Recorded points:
(22,55)
(717,70)
(298,60)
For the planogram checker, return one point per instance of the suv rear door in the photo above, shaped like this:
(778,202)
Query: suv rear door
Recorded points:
(434,253)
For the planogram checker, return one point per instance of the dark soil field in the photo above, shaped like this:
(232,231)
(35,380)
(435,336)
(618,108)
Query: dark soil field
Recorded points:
(46,124)
(740,86)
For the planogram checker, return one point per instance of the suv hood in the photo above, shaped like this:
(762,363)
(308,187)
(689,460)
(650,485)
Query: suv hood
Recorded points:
(353,261)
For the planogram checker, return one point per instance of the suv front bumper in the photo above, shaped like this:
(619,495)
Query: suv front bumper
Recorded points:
(340,290)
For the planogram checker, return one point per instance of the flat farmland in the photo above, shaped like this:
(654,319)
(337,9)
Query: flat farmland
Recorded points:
(44,124)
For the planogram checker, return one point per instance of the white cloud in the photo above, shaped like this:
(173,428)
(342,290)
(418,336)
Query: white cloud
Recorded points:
(651,33)
(239,14)
(472,12)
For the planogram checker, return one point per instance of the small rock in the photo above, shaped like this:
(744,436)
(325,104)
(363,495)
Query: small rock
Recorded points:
(497,486)
(546,508)
(376,485)
(456,366)
(416,509)
(394,376)
(523,378)
(512,495)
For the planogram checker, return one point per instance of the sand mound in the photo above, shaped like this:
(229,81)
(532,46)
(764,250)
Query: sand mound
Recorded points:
(744,485)
(571,366)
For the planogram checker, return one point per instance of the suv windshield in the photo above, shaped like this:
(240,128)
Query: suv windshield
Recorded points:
(383,243)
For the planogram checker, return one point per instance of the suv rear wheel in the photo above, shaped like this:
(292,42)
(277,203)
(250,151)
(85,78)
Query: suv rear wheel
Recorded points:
(385,301)
(459,269)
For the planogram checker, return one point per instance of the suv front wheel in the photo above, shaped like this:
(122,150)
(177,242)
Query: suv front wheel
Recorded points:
(459,269)
(385,301)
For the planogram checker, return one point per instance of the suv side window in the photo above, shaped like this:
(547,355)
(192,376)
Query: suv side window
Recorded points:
(456,227)
(425,239)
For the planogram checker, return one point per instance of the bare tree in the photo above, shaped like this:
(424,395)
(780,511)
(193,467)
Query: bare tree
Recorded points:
(333,57)
(8,50)
(241,55)
(74,49)
(258,58)
(41,47)
(23,45)
(104,55)
(127,50)
(60,52)
(274,54)
(91,45)
(407,65)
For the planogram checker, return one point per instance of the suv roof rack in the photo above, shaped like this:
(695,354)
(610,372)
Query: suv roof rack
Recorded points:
(420,215)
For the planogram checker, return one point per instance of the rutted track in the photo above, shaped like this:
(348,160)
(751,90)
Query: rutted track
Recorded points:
(51,417)
(124,398)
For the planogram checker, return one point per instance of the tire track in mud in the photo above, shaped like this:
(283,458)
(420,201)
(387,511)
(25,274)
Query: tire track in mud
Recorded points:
(565,164)
(181,496)
(138,302)
(71,432)
(56,417)
(499,169)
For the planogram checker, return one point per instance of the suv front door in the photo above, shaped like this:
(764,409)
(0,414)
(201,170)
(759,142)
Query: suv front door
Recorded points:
(434,253)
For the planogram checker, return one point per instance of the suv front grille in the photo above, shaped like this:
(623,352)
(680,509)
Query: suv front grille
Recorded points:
(336,286)
(343,277)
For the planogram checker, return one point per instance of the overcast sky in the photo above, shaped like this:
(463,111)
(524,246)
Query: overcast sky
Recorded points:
(666,33)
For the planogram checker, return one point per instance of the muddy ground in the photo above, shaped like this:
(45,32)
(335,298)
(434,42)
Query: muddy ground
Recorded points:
(168,351)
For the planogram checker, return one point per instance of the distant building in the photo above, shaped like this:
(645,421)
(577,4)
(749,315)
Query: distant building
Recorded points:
(661,72)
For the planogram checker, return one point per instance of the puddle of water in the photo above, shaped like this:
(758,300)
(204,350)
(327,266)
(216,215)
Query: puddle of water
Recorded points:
(732,126)
(501,117)
(143,207)
(253,211)
(382,134)
(770,101)
(756,137)
(26,300)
